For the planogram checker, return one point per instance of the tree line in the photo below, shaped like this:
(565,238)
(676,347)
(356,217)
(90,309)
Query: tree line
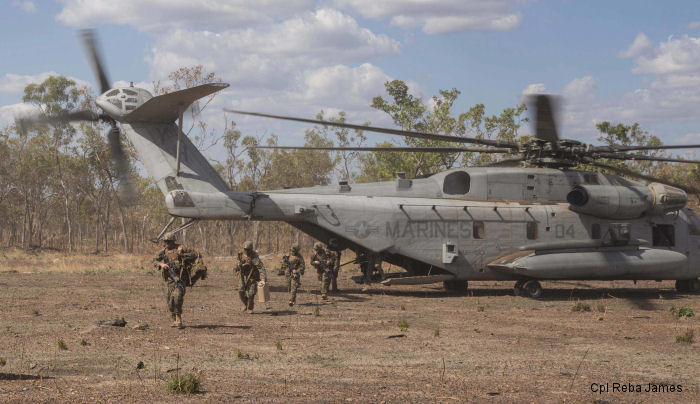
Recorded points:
(59,188)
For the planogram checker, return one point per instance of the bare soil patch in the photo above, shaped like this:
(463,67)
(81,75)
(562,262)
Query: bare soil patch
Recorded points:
(393,344)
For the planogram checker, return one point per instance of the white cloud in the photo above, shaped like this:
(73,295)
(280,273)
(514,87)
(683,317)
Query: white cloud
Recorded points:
(694,24)
(15,83)
(641,46)
(151,15)
(674,56)
(535,88)
(26,6)
(580,89)
(8,113)
(439,17)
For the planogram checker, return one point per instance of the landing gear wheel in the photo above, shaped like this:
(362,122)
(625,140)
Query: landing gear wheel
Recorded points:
(518,288)
(688,285)
(456,286)
(532,289)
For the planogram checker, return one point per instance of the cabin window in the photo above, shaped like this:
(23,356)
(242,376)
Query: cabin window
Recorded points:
(116,103)
(531,230)
(112,93)
(129,92)
(478,230)
(456,183)
(663,235)
(595,231)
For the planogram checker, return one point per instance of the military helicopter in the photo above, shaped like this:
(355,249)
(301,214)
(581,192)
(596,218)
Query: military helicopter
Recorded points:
(499,222)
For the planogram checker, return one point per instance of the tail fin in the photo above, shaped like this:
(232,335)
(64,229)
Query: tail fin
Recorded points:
(154,134)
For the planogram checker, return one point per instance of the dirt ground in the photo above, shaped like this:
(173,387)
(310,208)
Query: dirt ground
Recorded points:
(484,346)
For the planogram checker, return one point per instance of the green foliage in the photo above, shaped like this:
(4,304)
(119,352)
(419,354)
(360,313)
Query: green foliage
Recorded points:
(278,344)
(687,337)
(683,311)
(239,354)
(189,384)
(61,345)
(480,308)
(83,343)
(3,362)
(317,312)
(436,332)
(402,324)
(580,307)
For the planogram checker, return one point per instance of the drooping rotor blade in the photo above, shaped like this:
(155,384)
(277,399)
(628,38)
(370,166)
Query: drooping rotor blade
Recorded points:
(121,164)
(626,156)
(634,174)
(514,162)
(90,42)
(394,149)
(388,131)
(545,126)
(612,149)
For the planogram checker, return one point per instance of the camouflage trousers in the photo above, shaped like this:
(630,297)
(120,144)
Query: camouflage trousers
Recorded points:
(334,279)
(175,298)
(247,291)
(325,278)
(293,283)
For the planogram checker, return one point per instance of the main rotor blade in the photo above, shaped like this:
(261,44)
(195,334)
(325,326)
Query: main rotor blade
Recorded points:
(622,156)
(121,164)
(514,162)
(634,174)
(393,149)
(545,126)
(89,40)
(613,148)
(398,132)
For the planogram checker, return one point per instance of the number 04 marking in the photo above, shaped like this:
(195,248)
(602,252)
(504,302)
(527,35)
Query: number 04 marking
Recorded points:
(560,231)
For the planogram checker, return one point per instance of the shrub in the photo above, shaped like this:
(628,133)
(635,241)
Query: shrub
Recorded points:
(83,342)
(61,344)
(581,306)
(687,337)
(3,362)
(601,307)
(436,333)
(402,324)
(684,311)
(278,344)
(188,384)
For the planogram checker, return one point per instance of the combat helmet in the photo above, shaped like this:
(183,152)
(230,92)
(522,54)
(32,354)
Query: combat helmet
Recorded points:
(169,236)
(295,248)
(318,246)
(248,245)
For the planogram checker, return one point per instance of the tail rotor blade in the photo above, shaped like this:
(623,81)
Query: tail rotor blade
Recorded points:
(121,164)
(90,42)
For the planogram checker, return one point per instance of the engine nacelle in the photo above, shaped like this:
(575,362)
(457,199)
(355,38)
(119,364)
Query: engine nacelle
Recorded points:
(620,202)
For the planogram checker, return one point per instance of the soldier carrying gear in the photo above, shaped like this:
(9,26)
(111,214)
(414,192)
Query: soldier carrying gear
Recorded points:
(176,264)
(335,267)
(250,270)
(293,266)
(323,260)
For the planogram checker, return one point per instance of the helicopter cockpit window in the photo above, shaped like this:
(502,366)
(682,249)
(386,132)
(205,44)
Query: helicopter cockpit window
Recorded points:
(130,92)
(456,183)
(531,230)
(595,231)
(478,229)
(663,235)
(112,93)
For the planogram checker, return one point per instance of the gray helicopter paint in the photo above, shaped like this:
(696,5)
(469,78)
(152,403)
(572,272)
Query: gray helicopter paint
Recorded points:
(416,220)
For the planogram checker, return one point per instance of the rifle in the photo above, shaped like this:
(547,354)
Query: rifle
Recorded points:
(241,265)
(285,259)
(172,274)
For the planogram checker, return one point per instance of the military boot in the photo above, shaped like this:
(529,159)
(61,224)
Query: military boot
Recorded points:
(324,296)
(291,303)
(178,322)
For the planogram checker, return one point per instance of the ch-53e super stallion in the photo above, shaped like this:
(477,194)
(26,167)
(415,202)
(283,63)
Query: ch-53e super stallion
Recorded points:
(498,222)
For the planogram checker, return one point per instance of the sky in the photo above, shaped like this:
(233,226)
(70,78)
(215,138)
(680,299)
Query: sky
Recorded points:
(622,61)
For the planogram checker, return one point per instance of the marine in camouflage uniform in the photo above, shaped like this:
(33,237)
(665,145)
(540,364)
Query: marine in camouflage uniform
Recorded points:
(182,260)
(323,260)
(250,270)
(293,270)
(335,267)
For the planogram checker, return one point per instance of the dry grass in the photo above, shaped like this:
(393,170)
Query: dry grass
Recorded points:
(687,337)
(189,384)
